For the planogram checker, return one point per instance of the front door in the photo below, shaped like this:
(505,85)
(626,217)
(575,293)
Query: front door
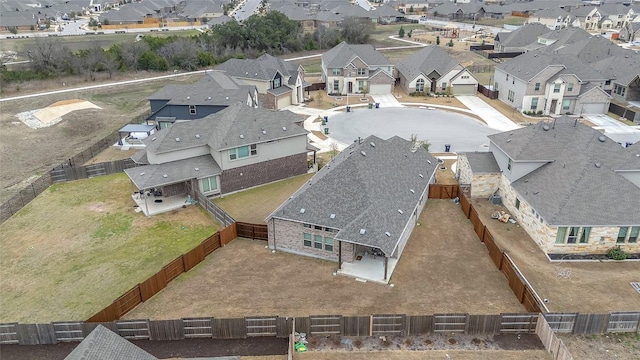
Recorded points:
(554,103)
(350,88)
(433,85)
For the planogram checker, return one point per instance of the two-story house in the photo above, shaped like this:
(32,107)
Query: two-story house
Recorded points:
(349,69)
(519,40)
(572,189)
(553,18)
(551,83)
(279,83)
(236,148)
(433,70)
(212,93)
(360,209)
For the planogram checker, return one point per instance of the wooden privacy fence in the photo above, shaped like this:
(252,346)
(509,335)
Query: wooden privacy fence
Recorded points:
(88,171)
(439,191)
(550,340)
(215,210)
(517,282)
(146,289)
(491,94)
(252,231)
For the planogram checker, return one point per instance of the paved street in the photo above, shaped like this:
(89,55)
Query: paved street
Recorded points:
(614,129)
(491,116)
(248,9)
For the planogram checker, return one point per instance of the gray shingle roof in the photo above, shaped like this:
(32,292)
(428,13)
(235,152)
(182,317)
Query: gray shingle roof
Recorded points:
(528,65)
(263,68)
(365,191)
(523,36)
(156,175)
(579,184)
(550,13)
(482,162)
(429,59)
(622,68)
(222,130)
(591,49)
(214,88)
(103,343)
(342,54)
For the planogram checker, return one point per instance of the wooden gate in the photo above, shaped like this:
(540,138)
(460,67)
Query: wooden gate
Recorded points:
(562,323)
(623,321)
(387,324)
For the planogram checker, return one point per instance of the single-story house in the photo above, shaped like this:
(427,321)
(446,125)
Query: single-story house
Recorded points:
(433,70)
(572,189)
(360,209)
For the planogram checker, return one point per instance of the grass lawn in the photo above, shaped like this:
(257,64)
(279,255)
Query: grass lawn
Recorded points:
(254,205)
(79,245)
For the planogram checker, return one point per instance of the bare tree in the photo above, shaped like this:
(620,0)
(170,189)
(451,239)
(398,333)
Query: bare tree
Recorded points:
(132,52)
(182,53)
(92,60)
(49,56)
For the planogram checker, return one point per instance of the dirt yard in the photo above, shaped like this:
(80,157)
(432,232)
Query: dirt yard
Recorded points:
(443,269)
(427,355)
(80,245)
(20,159)
(593,287)
(111,154)
(603,347)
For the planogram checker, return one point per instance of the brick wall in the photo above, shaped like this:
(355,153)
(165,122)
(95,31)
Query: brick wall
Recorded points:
(261,173)
(288,236)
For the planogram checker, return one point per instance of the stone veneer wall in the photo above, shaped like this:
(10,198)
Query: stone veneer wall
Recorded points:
(262,173)
(482,185)
(288,236)
(601,238)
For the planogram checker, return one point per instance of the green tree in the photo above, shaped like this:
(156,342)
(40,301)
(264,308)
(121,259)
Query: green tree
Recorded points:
(93,22)
(424,9)
(13,30)
(437,40)
(105,21)
(401,32)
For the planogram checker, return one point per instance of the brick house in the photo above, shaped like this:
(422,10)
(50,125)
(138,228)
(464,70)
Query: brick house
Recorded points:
(234,149)
(359,210)
(572,189)
(351,69)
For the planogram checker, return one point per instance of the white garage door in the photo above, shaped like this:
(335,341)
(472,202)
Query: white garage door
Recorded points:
(596,108)
(465,89)
(380,89)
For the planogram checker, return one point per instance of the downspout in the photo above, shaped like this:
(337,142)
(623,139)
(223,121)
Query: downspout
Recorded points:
(273,221)
(145,202)
(386,261)
(339,255)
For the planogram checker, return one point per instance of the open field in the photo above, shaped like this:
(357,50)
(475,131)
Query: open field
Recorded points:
(111,154)
(594,287)
(20,158)
(443,269)
(625,346)
(80,245)
(254,205)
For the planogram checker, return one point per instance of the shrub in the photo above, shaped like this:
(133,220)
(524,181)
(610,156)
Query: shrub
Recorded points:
(616,253)
(539,112)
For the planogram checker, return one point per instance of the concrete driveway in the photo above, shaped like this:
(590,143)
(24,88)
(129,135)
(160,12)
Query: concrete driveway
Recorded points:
(491,116)
(386,100)
(614,129)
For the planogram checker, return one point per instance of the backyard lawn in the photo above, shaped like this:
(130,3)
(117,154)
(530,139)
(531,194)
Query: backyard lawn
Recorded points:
(80,245)
(254,205)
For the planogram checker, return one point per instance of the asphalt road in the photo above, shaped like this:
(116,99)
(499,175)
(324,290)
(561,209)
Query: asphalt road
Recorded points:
(248,9)
(438,127)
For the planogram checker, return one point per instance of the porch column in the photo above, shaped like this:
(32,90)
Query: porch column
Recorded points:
(144,194)
(386,262)
(339,253)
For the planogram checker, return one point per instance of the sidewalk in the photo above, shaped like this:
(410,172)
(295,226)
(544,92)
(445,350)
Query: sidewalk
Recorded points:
(486,112)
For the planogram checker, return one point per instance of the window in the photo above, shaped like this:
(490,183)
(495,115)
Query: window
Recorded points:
(362,71)
(420,85)
(511,95)
(317,242)
(628,234)
(534,104)
(328,244)
(509,164)
(556,88)
(209,184)
(360,85)
(336,85)
(570,87)
(517,203)
(306,241)
(308,226)
(243,152)
(192,109)
(336,72)
(607,83)
(537,87)
(507,77)
(566,104)
(573,235)
(277,81)
(464,77)
(444,85)
(317,227)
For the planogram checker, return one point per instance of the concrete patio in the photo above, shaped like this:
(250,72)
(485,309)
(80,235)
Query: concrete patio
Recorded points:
(152,205)
(368,268)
